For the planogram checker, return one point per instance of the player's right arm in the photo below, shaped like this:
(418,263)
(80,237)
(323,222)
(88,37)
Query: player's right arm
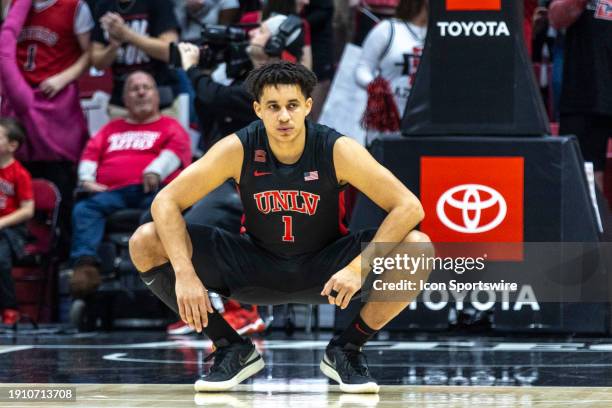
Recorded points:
(223,161)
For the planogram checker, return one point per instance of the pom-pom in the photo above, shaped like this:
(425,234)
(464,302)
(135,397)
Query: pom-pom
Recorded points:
(381,112)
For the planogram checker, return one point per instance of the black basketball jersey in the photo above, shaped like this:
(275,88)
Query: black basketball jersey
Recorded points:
(587,73)
(293,209)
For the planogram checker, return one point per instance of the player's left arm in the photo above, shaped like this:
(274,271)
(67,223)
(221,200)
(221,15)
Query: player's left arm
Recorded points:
(354,165)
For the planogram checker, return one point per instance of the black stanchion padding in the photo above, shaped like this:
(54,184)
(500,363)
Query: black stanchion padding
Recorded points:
(475,77)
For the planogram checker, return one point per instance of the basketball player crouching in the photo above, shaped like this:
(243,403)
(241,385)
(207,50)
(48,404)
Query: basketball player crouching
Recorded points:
(293,246)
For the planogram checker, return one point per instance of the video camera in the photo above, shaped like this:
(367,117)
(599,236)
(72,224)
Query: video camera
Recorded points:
(218,44)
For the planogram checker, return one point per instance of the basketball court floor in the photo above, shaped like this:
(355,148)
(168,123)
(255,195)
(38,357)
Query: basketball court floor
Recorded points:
(149,369)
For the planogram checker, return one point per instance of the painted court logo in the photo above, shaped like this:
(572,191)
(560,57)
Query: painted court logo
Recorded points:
(473,200)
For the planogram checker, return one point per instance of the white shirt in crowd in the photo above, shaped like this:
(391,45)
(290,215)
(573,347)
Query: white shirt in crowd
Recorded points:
(394,54)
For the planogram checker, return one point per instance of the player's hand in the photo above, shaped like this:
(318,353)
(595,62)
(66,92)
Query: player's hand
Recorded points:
(190,55)
(150,182)
(345,283)
(52,85)
(193,302)
(93,187)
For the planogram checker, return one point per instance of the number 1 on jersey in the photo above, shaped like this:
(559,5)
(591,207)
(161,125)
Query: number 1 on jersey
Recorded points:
(288,221)
(30,63)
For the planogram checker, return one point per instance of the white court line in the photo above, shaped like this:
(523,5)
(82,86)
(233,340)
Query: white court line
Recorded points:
(10,349)
(121,357)
(437,346)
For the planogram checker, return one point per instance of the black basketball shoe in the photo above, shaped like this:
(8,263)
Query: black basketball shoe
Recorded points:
(348,367)
(232,365)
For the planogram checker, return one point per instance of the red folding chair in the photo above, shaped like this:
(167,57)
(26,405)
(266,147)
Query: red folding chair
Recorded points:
(33,273)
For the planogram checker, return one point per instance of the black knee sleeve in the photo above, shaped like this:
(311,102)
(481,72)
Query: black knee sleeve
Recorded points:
(161,281)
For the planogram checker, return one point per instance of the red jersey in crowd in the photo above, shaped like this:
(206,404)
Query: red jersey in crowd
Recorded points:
(15,187)
(48,44)
(122,150)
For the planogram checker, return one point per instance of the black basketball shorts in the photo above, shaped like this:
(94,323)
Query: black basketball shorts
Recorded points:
(233,266)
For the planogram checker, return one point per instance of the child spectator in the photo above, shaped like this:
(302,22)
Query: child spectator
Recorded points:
(16,207)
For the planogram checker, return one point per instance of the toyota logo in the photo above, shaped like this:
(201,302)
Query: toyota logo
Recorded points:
(469,200)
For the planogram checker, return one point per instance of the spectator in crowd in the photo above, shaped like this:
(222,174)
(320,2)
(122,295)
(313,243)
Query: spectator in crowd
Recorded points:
(544,46)
(530,7)
(39,87)
(4,4)
(132,35)
(392,52)
(343,24)
(123,166)
(586,96)
(320,14)
(16,207)
(53,64)
(223,108)
(369,13)
(193,15)
(300,50)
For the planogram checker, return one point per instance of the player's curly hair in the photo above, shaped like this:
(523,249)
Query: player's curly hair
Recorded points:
(280,73)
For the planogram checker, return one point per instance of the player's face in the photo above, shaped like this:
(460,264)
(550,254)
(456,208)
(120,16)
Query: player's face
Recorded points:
(141,97)
(283,109)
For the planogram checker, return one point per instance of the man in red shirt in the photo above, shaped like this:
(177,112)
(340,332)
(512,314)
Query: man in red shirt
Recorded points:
(124,166)
(16,207)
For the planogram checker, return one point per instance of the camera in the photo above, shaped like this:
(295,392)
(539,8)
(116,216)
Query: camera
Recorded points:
(219,44)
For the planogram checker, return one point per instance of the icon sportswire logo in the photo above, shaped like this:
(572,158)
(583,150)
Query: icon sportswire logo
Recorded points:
(469,199)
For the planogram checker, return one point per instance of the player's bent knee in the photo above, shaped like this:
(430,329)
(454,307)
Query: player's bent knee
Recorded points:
(417,236)
(145,247)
